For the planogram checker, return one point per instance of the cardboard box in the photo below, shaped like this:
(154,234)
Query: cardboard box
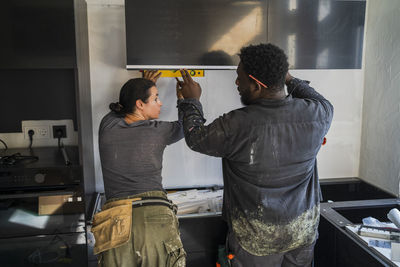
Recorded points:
(60,204)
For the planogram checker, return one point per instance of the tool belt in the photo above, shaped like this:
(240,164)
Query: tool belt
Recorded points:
(146,201)
(112,226)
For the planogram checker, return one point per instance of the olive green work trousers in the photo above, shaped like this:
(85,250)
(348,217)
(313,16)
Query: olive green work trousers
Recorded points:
(155,239)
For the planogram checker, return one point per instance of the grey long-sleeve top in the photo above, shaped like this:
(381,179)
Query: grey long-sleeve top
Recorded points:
(268,150)
(131,154)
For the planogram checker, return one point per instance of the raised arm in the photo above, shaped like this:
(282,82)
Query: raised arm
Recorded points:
(210,139)
(301,89)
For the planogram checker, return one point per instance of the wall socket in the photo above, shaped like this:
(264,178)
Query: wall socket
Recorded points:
(59,128)
(41,132)
(46,133)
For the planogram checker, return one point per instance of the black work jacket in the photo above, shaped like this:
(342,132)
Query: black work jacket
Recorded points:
(268,150)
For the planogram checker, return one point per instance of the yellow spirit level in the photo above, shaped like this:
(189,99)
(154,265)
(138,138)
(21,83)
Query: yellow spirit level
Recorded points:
(177,73)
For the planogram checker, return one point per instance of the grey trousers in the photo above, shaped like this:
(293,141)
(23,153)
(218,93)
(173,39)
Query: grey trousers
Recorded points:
(295,258)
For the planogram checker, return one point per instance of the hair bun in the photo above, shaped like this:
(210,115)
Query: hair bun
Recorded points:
(117,107)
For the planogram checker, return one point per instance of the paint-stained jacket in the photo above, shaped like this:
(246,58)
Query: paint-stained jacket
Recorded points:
(268,150)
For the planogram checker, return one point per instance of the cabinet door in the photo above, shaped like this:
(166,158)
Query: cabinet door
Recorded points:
(37,34)
(318,34)
(36,94)
(206,33)
(56,250)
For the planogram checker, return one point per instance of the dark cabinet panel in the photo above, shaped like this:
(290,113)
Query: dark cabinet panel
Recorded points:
(318,34)
(337,247)
(182,32)
(47,94)
(20,217)
(55,250)
(37,34)
(201,237)
(349,189)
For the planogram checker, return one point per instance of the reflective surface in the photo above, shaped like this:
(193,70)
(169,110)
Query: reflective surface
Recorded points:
(44,94)
(37,34)
(324,34)
(188,32)
(44,250)
(314,33)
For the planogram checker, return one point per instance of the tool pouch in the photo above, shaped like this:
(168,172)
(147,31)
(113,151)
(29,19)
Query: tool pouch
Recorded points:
(112,227)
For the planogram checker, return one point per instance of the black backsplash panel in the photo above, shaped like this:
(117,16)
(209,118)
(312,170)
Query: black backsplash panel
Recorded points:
(315,34)
(190,32)
(318,34)
(46,94)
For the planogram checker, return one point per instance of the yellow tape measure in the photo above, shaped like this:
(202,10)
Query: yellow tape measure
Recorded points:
(177,73)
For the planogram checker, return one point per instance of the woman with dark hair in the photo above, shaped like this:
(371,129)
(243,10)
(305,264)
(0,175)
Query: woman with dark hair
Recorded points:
(137,225)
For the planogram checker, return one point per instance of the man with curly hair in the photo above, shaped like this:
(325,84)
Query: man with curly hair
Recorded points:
(268,150)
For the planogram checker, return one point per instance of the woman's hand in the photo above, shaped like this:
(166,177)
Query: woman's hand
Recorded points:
(178,90)
(152,75)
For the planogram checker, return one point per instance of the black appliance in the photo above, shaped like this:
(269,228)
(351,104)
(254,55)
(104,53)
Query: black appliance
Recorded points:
(39,168)
(42,208)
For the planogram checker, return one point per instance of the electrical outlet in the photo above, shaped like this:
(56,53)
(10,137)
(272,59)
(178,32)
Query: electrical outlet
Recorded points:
(59,128)
(41,132)
(48,137)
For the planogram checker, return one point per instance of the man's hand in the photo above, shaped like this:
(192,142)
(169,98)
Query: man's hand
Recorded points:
(288,78)
(188,87)
(152,75)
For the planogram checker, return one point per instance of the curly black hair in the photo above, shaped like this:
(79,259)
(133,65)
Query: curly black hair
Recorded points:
(266,62)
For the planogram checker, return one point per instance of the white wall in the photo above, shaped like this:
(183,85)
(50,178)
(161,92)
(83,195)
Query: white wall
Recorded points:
(182,167)
(380,143)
